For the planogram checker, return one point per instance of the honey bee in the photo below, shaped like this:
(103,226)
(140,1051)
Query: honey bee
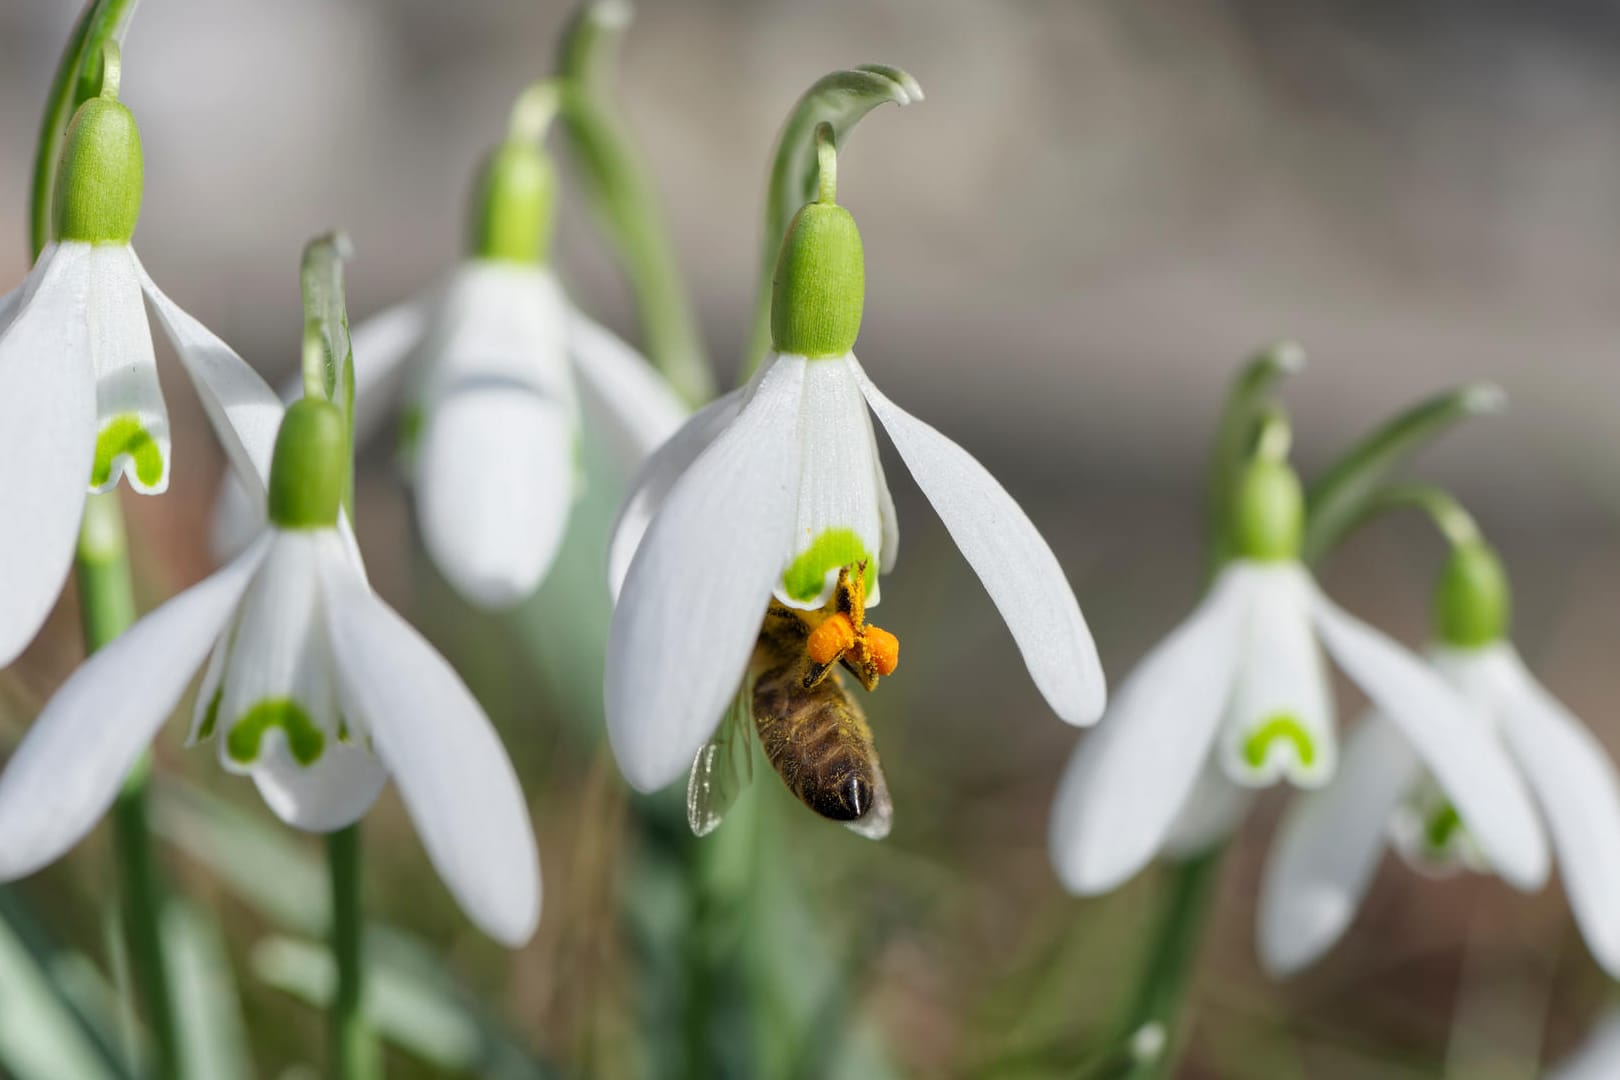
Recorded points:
(810,728)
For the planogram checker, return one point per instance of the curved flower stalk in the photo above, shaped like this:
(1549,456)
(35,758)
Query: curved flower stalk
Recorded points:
(1237,698)
(773,490)
(493,363)
(1386,794)
(314,687)
(81,400)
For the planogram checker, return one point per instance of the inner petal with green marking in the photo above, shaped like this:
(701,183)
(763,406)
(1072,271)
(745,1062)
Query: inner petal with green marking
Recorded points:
(1279,732)
(807,575)
(126,436)
(305,740)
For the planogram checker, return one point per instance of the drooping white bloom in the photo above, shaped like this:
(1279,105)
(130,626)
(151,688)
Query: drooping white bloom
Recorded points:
(493,367)
(773,489)
(1389,793)
(79,394)
(1236,698)
(769,492)
(314,687)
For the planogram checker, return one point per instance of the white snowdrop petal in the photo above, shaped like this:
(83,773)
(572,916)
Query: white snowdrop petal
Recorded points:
(205,710)
(890,520)
(495,481)
(500,324)
(1280,723)
(75,756)
(1452,739)
(132,423)
(1575,783)
(277,678)
(47,440)
(1127,782)
(624,394)
(452,772)
(839,518)
(242,409)
(331,794)
(1013,562)
(1328,848)
(698,587)
(658,474)
(1209,815)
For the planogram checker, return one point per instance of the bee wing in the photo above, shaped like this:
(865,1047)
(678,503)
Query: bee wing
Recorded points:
(723,768)
(875,823)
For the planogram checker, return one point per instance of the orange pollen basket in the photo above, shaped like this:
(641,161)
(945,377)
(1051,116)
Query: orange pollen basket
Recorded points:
(884,647)
(830,640)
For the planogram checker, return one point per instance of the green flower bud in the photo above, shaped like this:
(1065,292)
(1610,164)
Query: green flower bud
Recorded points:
(1268,520)
(819,289)
(99,181)
(1472,602)
(513,203)
(307,473)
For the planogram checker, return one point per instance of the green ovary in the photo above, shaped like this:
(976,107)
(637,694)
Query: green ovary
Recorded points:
(125,434)
(1280,726)
(304,739)
(834,549)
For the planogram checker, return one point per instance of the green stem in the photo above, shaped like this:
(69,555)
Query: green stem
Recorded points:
(107,608)
(622,196)
(354,1051)
(1338,500)
(1151,1040)
(1450,517)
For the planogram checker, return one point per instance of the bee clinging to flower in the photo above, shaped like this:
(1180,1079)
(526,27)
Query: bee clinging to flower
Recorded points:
(769,505)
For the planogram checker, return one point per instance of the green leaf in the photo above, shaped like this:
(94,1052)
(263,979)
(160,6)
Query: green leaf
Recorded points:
(840,99)
(1343,494)
(77,78)
(409,1003)
(43,1034)
(1246,404)
(255,859)
(214,1041)
(619,187)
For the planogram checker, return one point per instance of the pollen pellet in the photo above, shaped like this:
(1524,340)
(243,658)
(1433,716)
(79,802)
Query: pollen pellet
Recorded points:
(830,639)
(885,649)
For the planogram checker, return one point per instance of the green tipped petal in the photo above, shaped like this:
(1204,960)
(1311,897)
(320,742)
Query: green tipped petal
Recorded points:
(1281,727)
(1473,601)
(833,550)
(305,741)
(126,435)
(513,203)
(819,290)
(307,473)
(100,179)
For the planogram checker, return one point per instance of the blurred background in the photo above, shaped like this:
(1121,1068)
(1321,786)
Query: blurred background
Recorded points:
(1098,211)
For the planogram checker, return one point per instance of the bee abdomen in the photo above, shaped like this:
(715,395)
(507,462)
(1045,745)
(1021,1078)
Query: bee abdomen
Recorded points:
(818,742)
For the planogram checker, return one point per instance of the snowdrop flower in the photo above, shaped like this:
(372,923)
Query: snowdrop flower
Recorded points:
(314,687)
(79,395)
(493,363)
(1389,792)
(1237,698)
(772,490)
